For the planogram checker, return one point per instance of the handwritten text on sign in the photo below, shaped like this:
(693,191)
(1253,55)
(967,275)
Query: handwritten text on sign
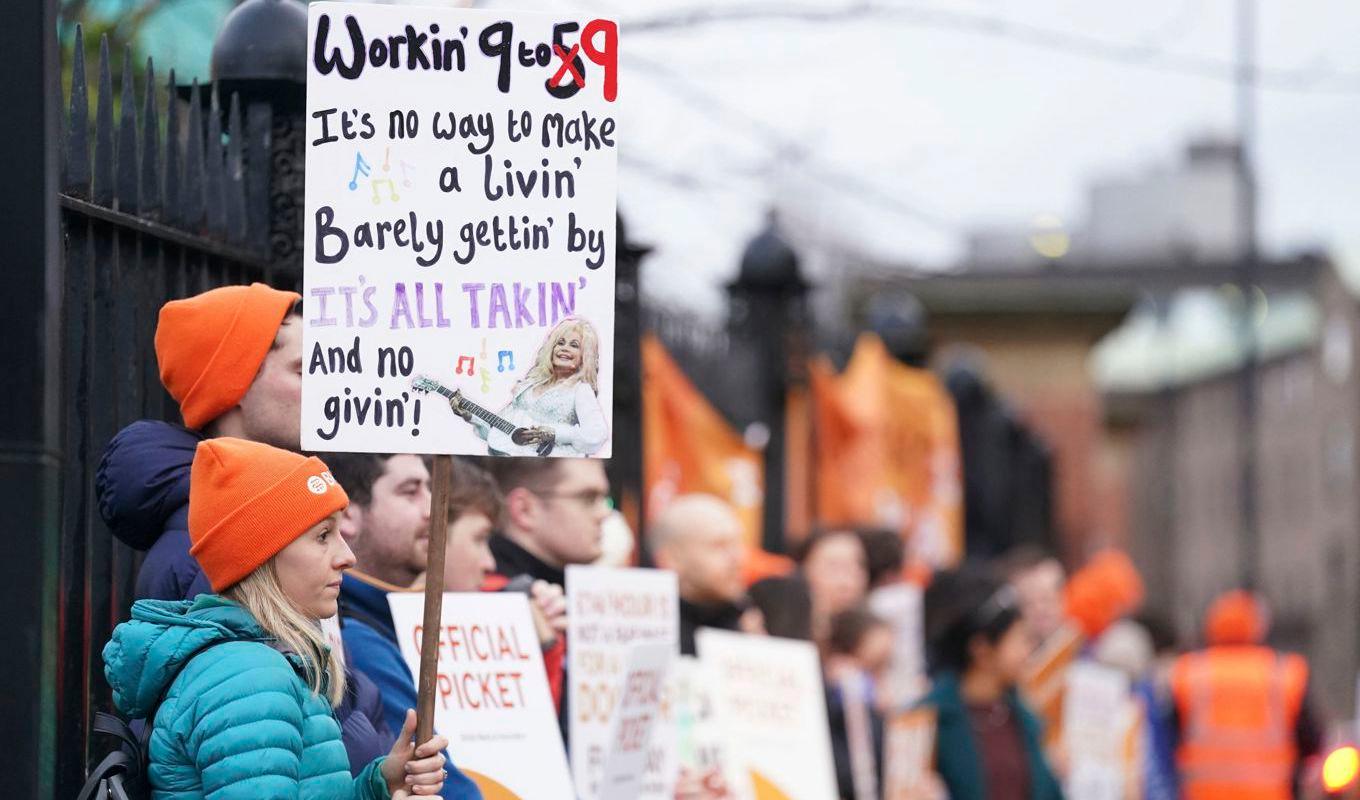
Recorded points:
(610,611)
(459,226)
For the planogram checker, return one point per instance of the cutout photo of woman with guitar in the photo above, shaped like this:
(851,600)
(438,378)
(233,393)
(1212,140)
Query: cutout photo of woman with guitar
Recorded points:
(553,409)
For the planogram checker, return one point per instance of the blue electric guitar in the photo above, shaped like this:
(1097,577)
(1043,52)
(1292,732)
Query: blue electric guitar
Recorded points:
(513,436)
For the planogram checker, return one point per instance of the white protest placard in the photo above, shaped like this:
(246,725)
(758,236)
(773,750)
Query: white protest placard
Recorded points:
(608,611)
(901,606)
(459,230)
(1097,714)
(699,747)
(771,707)
(909,755)
(637,718)
(330,629)
(492,699)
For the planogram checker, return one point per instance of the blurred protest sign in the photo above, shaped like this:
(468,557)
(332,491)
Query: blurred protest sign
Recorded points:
(771,707)
(909,755)
(637,718)
(609,612)
(1045,678)
(901,605)
(700,750)
(459,225)
(1098,717)
(856,693)
(492,697)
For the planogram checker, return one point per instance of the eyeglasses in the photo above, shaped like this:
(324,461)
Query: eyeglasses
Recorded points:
(587,498)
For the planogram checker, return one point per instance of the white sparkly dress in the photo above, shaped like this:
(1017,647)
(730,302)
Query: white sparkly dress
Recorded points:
(571,410)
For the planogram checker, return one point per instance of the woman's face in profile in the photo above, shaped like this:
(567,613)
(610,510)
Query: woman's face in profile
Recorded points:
(566,352)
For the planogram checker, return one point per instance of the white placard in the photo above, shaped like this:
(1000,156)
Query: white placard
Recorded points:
(1097,714)
(492,699)
(637,718)
(609,611)
(460,206)
(901,606)
(330,629)
(699,747)
(771,707)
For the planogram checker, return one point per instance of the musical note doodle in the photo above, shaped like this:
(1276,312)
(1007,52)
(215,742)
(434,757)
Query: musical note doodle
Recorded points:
(405,179)
(486,380)
(470,361)
(387,159)
(483,353)
(361,167)
(391,190)
(502,357)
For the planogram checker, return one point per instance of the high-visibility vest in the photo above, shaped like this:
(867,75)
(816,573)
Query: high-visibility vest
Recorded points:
(1238,709)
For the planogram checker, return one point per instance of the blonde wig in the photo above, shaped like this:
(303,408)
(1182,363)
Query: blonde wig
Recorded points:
(262,595)
(542,371)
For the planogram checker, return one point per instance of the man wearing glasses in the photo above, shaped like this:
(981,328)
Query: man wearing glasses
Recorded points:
(555,510)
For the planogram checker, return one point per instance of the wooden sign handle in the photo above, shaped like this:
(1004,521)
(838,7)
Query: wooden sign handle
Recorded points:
(441,485)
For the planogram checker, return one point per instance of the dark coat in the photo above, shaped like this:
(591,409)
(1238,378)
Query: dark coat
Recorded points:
(957,758)
(143,491)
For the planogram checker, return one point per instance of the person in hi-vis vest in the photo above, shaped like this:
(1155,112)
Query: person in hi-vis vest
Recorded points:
(1243,721)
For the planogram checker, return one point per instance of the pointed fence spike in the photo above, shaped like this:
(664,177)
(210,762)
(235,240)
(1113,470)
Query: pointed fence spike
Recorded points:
(174,211)
(234,184)
(193,163)
(77,179)
(103,130)
(125,184)
(150,200)
(212,173)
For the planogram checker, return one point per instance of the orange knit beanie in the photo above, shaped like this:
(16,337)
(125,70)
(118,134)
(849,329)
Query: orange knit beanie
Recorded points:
(210,347)
(248,501)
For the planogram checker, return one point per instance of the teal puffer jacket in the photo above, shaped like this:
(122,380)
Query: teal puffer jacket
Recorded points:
(238,721)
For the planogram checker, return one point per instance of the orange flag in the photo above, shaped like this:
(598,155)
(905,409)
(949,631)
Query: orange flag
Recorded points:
(687,447)
(888,451)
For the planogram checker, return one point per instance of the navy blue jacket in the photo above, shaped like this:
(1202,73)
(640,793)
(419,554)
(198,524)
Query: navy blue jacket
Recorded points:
(371,638)
(143,491)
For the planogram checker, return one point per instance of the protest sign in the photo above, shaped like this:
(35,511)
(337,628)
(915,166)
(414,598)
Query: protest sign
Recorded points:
(900,604)
(610,611)
(492,699)
(1098,716)
(1044,679)
(771,708)
(459,230)
(699,748)
(908,755)
(330,628)
(856,694)
(637,717)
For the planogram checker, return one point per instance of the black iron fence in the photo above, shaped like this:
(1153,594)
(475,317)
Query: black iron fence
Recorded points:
(153,207)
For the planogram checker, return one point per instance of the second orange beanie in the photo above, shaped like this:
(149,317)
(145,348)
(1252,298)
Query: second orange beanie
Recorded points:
(248,501)
(209,347)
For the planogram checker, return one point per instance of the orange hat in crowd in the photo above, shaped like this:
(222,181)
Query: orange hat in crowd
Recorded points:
(248,501)
(1236,617)
(210,347)
(1104,590)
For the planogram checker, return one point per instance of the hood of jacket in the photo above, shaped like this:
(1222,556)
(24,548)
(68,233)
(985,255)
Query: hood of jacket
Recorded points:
(143,479)
(145,654)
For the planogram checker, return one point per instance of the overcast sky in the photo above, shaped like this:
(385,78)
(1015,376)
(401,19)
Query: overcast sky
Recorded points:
(969,129)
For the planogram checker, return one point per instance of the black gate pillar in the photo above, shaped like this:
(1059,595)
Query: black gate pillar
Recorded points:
(30,447)
(769,323)
(261,54)
(625,466)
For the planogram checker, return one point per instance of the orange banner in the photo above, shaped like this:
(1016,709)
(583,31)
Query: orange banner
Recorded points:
(888,451)
(688,447)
